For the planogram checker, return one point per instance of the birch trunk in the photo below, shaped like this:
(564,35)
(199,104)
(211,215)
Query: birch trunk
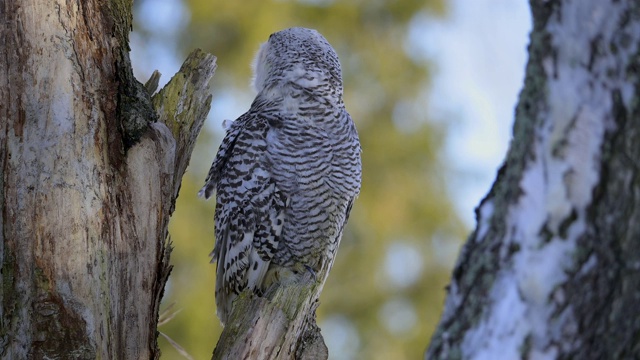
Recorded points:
(552,270)
(90,169)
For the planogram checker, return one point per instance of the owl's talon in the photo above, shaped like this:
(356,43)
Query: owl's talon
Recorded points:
(313,273)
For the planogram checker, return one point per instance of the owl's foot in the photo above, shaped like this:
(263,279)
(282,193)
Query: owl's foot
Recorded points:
(313,273)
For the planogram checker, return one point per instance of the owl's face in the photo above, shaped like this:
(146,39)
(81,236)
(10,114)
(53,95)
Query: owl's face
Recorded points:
(300,56)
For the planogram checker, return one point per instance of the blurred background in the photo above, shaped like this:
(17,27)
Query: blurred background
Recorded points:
(431,86)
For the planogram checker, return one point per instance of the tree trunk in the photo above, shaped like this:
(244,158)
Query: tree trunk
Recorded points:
(90,172)
(552,270)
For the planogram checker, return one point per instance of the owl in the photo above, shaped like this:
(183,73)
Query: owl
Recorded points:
(287,172)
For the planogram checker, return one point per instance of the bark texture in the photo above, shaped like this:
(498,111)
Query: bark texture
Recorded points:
(90,172)
(552,270)
(280,325)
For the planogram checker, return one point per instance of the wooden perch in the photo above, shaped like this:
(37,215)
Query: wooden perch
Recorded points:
(280,325)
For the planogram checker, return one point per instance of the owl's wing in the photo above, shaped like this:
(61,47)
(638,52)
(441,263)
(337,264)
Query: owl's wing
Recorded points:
(249,210)
(233,128)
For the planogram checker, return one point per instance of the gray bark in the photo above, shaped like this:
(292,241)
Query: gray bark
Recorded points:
(281,325)
(91,166)
(552,270)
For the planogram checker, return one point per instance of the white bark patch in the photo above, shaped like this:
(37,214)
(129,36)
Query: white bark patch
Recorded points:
(557,186)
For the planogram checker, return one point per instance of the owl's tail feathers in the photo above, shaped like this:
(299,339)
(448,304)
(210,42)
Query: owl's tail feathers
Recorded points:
(207,190)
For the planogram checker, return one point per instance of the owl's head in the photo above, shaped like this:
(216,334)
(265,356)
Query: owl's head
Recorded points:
(298,56)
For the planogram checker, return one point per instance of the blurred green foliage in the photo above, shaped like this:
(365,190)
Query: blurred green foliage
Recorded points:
(404,197)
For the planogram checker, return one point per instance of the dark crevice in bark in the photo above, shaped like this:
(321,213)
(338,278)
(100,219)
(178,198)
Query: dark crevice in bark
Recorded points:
(59,332)
(134,110)
(604,292)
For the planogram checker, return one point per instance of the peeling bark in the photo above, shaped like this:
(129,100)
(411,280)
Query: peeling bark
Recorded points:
(552,270)
(90,168)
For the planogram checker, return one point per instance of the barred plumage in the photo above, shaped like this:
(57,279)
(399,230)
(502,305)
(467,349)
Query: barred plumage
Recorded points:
(287,171)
